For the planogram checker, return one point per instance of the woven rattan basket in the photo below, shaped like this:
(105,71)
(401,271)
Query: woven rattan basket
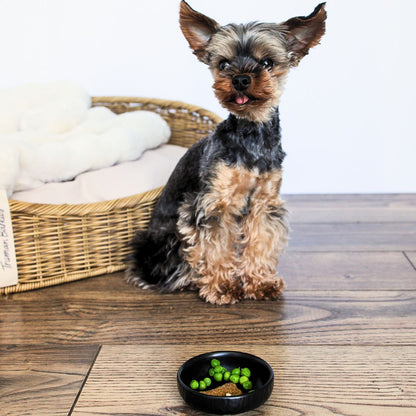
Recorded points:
(61,243)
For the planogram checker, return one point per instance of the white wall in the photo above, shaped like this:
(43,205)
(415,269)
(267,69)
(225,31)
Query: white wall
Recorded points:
(348,110)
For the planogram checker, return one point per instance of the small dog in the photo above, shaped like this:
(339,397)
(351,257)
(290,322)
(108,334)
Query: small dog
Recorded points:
(219,225)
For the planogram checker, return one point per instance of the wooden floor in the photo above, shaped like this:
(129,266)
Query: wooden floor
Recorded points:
(341,341)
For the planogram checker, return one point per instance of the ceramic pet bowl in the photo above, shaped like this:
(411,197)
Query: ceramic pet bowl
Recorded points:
(197,368)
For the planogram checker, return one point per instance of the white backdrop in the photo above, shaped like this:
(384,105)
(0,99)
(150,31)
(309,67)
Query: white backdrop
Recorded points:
(348,112)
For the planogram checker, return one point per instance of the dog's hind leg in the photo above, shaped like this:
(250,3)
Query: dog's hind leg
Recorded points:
(157,260)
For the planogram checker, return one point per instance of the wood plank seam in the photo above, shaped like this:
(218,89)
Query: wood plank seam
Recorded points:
(84,381)
(410,261)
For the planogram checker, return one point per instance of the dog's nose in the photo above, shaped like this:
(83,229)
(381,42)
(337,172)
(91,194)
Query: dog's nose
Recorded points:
(241,82)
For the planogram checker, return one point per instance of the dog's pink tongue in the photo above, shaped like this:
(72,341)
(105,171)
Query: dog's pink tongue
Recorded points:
(241,100)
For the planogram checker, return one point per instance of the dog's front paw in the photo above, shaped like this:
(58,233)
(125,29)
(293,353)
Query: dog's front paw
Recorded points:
(259,289)
(225,294)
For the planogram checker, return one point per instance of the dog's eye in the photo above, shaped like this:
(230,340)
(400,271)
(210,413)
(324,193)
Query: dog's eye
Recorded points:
(267,63)
(224,64)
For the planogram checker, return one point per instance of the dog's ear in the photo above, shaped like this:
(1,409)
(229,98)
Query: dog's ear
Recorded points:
(197,29)
(302,33)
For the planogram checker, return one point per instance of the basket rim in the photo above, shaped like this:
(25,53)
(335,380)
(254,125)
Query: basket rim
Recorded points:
(192,108)
(125,202)
(33,208)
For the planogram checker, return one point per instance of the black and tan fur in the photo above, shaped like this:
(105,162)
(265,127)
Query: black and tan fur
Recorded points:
(219,225)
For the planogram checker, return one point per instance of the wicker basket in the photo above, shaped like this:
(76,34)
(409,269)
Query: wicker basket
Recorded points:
(61,243)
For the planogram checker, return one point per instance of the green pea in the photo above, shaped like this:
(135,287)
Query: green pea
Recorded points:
(247,385)
(218,369)
(227,375)
(218,376)
(234,378)
(223,370)
(208,381)
(243,379)
(236,371)
(214,363)
(202,385)
(245,372)
(194,385)
(211,372)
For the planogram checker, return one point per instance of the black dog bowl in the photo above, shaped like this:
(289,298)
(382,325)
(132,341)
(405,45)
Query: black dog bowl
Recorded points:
(197,368)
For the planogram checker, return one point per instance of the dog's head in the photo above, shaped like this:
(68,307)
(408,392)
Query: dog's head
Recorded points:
(249,62)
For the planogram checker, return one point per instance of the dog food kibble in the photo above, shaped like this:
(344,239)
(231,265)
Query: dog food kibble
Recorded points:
(227,389)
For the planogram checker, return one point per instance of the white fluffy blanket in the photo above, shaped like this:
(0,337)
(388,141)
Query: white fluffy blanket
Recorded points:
(50,133)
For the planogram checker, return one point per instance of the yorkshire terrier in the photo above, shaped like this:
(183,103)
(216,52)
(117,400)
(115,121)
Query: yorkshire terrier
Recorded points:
(219,225)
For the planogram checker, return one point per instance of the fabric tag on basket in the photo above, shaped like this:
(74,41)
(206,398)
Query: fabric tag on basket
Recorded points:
(8,265)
